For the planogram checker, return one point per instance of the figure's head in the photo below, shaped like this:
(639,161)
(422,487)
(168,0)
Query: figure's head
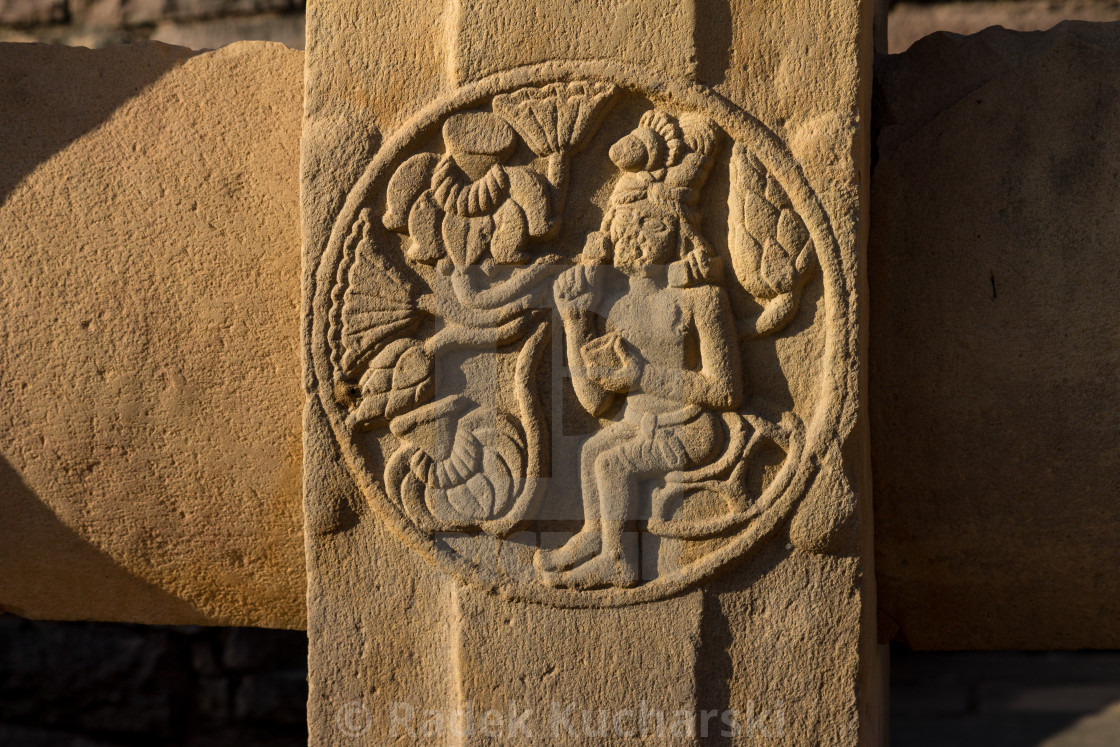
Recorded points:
(644,236)
(652,221)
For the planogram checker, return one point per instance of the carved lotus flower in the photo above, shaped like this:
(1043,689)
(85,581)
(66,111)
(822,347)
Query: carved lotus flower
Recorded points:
(472,464)
(446,213)
(558,117)
(397,381)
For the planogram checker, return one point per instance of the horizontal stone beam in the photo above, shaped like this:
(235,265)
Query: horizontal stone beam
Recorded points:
(149,368)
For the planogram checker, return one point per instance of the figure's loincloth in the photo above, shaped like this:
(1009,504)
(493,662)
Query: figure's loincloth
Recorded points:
(662,442)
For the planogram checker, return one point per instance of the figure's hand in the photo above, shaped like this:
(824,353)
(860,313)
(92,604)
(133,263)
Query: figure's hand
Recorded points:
(608,360)
(577,289)
(596,250)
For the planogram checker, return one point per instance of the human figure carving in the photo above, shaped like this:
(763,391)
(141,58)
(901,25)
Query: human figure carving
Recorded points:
(650,332)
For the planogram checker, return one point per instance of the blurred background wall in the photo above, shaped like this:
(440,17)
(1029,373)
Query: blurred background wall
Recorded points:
(208,24)
(199,24)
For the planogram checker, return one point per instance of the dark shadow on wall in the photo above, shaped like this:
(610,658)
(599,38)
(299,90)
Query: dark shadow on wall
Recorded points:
(51,95)
(713,40)
(714,669)
(49,572)
(78,684)
(1004,698)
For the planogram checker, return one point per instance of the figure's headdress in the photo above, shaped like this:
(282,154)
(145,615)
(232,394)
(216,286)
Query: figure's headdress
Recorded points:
(665,162)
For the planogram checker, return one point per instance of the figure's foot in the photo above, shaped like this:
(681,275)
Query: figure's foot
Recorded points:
(578,549)
(605,569)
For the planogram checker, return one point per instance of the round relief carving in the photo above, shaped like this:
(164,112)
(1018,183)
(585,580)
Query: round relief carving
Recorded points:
(581,336)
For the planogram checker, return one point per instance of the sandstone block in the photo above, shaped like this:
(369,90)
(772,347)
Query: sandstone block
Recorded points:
(995,347)
(583,359)
(150,439)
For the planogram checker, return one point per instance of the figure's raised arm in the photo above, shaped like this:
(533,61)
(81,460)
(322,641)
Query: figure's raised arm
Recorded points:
(577,294)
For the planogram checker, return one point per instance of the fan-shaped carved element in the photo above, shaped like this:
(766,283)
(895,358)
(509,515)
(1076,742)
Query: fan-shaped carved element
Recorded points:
(377,305)
(556,118)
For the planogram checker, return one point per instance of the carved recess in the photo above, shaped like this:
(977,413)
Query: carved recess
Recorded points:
(582,339)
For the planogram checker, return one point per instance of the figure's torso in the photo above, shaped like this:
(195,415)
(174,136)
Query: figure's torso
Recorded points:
(660,327)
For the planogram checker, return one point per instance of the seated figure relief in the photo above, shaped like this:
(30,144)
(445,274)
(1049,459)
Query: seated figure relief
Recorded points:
(464,286)
(662,340)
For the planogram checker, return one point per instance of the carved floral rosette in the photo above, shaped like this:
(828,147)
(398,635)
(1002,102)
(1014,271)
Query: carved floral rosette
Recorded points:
(437,335)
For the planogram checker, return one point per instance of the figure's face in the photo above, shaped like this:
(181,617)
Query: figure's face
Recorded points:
(642,237)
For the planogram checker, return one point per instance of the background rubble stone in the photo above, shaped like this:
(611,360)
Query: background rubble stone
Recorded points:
(102,685)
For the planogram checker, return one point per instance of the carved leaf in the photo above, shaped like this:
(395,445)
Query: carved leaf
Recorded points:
(398,380)
(777,267)
(771,249)
(408,183)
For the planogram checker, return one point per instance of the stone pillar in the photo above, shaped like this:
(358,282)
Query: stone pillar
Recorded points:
(585,456)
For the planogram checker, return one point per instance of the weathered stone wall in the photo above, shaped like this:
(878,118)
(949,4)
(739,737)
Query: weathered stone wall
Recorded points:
(995,344)
(199,24)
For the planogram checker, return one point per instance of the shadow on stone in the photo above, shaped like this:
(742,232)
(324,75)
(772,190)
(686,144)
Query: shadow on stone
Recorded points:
(713,34)
(45,568)
(53,95)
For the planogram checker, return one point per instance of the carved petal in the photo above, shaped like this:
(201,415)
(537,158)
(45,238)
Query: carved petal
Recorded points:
(424,227)
(408,183)
(511,230)
(453,232)
(467,239)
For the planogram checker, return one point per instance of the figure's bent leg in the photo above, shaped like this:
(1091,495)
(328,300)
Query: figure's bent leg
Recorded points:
(617,487)
(588,542)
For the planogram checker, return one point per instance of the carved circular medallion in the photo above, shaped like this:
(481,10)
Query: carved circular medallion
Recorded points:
(581,335)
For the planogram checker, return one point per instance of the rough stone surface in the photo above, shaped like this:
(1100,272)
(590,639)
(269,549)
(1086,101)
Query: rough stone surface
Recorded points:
(910,21)
(583,355)
(150,439)
(995,349)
